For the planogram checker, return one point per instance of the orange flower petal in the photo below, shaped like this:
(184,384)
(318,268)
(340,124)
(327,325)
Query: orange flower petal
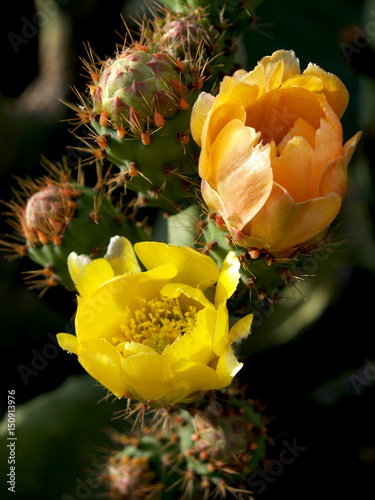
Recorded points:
(349,147)
(324,154)
(199,113)
(285,224)
(300,128)
(292,169)
(213,200)
(267,76)
(334,178)
(275,113)
(217,120)
(309,82)
(243,174)
(333,88)
(236,92)
(273,70)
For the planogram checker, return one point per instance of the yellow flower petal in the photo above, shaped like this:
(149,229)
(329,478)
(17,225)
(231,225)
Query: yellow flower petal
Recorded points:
(174,290)
(103,362)
(193,268)
(301,129)
(240,73)
(227,367)
(213,199)
(309,82)
(69,342)
(76,263)
(146,373)
(102,315)
(291,65)
(92,276)
(234,93)
(273,70)
(221,339)
(201,377)
(121,256)
(131,348)
(197,344)
(349,147)
(275,112)
(241,329)
(228,279)
(334,178)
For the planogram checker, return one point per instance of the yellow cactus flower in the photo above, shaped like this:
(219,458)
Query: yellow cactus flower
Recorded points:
(273,164)
(160,336)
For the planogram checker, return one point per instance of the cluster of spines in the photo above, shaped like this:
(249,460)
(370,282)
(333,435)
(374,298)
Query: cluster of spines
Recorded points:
(200,57)
(139,126)
(196,39)
(207,449)
(43,211)
(264,277)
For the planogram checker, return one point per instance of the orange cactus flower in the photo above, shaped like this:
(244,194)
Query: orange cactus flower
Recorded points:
(273,164)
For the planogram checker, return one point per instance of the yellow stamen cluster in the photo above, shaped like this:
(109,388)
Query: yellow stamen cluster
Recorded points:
(157,323)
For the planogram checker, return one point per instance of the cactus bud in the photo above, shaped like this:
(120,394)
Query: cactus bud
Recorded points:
(206,450)
(141,104)
(56,215)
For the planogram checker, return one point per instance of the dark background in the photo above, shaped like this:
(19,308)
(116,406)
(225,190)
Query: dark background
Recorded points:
(308,384)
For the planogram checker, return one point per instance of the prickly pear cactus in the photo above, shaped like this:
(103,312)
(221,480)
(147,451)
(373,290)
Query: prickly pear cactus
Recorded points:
(209,448)
(55,215)
(140,109)
(240,14)
(139,101)
(196,36)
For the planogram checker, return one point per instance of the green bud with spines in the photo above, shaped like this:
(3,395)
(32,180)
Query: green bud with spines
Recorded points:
(195,35)
(139,101)
(56,215)
(207,448)
(140,108)
(240,14)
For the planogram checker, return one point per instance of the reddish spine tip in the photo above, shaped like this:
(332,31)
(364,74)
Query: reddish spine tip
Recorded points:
(103,120)
(145,138)
(181,65)
(254,254)
(184,106)
(159,119)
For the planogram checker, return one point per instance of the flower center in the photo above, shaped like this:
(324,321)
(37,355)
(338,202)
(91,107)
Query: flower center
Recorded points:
(158,322)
